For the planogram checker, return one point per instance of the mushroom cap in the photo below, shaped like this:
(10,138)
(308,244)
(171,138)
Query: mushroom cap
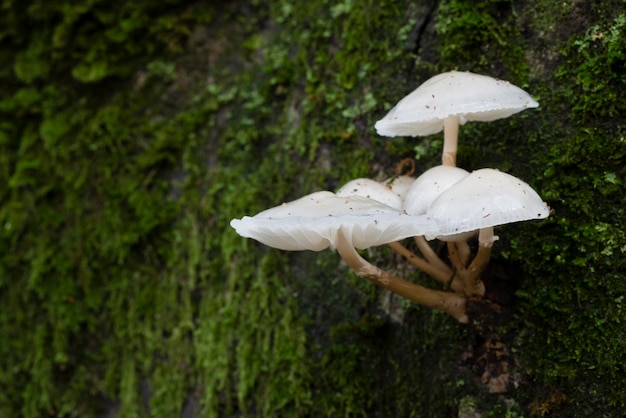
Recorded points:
(370,189)
(471,97)
(429,185)
(399,185)
(485,198)
(313,221)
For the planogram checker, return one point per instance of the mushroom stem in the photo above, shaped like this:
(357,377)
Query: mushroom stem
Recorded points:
(486,237)
(450,140)
(451,303)
(443,275)
(469,276)
(474,285)
(454,256)
(464,252)
(431,256)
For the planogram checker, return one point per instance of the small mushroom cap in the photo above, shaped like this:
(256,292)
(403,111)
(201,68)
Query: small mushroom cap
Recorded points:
(371,189)
(313,221)
(391,192)
(471,97)
(429,185)
(399,185)
(485,198)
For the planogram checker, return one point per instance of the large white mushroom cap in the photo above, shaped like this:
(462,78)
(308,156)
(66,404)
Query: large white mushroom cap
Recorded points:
(313,221)
(429,185)
(471,97)
(483,199)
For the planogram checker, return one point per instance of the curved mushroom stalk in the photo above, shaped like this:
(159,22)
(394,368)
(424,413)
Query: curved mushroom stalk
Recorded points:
(436,269)
(466,276)
(465,252)
(473,284)
(431,256)
(451,303)
(469,274)
(433,265)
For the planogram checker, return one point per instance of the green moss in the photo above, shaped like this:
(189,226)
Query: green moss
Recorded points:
(480,36)
(573,294)
(595,61)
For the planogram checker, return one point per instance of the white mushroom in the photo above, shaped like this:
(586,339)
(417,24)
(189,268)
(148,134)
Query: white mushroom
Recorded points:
(322,219)
(371,189)
(399,185)
(449,99)
(313,222)
(429,185)
(485,198)
(391,192)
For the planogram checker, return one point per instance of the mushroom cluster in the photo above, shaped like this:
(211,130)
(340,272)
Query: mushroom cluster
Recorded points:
(445,202)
